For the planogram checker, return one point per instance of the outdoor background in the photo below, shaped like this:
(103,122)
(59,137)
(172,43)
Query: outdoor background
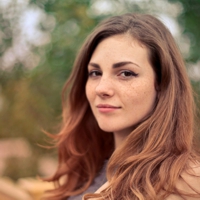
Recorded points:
(39,40)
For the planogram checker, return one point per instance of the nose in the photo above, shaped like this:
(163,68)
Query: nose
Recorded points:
(105,88)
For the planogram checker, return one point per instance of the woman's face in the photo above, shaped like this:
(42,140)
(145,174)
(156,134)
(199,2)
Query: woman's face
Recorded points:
(121,84)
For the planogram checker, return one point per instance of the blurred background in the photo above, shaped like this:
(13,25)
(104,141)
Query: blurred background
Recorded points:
(39,40)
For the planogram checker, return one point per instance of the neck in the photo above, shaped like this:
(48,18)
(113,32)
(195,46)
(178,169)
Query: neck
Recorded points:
(119,137)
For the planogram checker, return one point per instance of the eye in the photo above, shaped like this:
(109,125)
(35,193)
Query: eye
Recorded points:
(94,73)
(127,73)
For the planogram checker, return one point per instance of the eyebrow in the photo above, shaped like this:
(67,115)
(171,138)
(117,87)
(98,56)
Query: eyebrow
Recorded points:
(115,65)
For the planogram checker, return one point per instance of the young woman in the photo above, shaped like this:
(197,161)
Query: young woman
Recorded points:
(128,117)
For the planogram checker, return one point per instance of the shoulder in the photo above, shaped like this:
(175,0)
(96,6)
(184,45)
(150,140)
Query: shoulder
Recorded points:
(192,175)
(104,186)
(189,183)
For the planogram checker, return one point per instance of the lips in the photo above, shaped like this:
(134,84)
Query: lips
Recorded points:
(105,108)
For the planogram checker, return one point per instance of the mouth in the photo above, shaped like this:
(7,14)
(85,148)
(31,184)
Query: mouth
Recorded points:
(105,108)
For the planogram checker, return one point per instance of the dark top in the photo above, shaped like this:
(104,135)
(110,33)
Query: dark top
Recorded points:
(97,183)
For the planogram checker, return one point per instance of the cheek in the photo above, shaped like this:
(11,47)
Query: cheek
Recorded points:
(89,90)
(144,92)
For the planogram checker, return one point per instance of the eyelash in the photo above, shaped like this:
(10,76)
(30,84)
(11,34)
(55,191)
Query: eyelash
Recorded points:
(95,73)
(129,72)
(91,73)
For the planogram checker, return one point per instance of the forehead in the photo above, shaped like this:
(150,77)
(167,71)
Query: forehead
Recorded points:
(118,48)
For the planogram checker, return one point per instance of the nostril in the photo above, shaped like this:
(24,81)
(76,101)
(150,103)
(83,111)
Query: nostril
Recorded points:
(105,95)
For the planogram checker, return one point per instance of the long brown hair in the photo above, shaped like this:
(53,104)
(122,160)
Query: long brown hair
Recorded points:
(157,151)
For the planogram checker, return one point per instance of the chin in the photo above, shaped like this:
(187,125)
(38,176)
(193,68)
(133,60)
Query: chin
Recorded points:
(119,130)
(107,128)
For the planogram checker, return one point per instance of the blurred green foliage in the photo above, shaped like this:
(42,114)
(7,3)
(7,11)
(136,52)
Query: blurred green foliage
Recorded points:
(189,19)
(30,99)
